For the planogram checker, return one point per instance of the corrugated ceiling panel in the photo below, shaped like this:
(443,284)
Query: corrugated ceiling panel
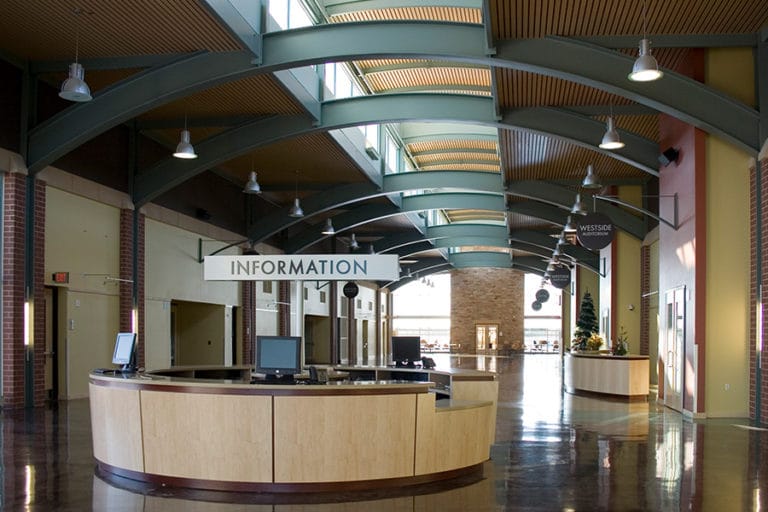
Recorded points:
(533,156)
(460,167)
(536,18)
(457,156)
(429,76)
(524,221)
(45,29)
(453,14)
(452,145)
(258,95)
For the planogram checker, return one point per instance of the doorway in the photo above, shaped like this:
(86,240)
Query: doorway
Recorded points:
(674,347)
(486,336)
(51,369)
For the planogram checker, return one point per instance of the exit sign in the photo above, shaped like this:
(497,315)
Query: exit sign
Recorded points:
(61,277)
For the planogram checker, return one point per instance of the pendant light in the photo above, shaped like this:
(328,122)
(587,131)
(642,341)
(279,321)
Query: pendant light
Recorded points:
(184,148)
(578,206)
(252,185)
(296,211)
(353,245)
(645,68)
(570,226)
(74,87)
(611,139)
(591,180)
(328,229)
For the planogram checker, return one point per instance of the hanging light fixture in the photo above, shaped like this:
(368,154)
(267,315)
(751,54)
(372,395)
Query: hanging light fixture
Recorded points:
(570,226)
(550,267)
(562,240)
(353,243)
(591,180)
(371,249)
(328,229)
(645,68)
(184,148)
(557,252)
(252,185)
(296,211)
(578,206)
(74,87)
(611,139)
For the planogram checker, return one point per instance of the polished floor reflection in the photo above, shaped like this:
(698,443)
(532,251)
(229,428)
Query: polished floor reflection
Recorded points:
(553,451)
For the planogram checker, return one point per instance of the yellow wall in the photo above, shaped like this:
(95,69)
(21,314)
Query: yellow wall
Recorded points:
(82,237)
(626,296)
(653,312)
(200,334)
(727,281)
(728,248)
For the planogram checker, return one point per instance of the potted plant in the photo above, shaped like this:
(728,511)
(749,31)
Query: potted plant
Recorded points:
(621,346)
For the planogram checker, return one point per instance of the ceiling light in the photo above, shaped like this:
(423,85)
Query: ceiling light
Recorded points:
(184,148)
(611,139)
(328,229)
(74,87)
(371,249)
(645,69)
(550,267)
(591,180)
(578,206)
(353,243)
(296,210)
(252,186)
(562,240)
(570,226)
(557,252)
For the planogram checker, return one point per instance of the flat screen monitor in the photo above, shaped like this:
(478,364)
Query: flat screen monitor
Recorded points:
(278,357)
(125,351)
(406,350)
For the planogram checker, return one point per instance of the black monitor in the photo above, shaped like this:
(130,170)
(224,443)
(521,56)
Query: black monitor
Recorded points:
(125,351)
(278,357)
(406,350)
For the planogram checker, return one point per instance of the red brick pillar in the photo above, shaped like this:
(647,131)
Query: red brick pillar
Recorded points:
(128,279)
(248,299)
(284,308)
(758,377)
(14,297)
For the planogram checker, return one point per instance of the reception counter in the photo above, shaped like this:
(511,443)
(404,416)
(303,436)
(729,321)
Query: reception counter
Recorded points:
(228,434)
(623,377)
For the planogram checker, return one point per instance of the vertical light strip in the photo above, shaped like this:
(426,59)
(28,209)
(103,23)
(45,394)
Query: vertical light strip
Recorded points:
(135,320)
(27,315)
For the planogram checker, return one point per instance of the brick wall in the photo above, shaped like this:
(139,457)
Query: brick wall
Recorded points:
(645,299)
(127,278)
(248,300)
(758,402)
(487,295)
(284,307)
(39,392)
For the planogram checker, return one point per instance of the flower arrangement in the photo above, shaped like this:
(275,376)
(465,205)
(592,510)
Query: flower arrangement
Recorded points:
(594,342)
(621,347)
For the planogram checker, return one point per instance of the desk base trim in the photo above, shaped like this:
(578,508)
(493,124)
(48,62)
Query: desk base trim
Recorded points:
(606,396)
(279,488)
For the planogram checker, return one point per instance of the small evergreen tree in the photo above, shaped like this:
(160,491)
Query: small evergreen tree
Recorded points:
(587,324)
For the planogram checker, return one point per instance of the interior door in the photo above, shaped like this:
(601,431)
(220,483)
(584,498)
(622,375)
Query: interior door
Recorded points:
(51,363)
(674,347)
(486,336)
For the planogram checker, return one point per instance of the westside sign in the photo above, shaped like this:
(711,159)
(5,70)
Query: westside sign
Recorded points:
(595,231)
(307,267)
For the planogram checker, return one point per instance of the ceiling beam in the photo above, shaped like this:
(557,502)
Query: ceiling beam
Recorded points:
(568,59)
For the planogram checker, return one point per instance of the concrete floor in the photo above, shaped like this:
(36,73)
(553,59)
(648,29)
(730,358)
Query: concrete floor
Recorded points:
(553,452)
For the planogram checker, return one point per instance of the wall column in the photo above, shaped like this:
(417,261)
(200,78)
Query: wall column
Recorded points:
(758,373)
(131,291)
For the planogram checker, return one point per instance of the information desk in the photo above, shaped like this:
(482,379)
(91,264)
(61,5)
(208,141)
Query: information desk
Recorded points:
(232,435)
(624,377)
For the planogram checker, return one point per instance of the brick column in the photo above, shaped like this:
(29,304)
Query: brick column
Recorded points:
(758,379)
(39,295)
(127,278)
(284,308)
(248,300)
(645,300)
(14,205)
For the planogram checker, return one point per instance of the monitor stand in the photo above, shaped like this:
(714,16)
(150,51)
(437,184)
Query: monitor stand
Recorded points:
(405,364)
(279,379)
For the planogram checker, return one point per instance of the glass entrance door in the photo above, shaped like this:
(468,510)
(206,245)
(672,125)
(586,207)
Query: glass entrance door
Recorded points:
(674,347)
(486,336)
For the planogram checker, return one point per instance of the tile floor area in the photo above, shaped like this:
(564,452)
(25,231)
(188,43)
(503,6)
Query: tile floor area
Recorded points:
(553,452)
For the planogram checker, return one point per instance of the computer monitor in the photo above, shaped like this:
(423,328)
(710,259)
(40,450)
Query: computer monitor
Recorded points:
(278,357)
(125,351)
(406,350)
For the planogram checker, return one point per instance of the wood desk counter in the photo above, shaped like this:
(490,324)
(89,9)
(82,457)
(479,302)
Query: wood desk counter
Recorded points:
(618,376)
(232,435)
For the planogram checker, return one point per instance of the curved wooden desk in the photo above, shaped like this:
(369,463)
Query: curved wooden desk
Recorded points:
(619,376)
(231,435)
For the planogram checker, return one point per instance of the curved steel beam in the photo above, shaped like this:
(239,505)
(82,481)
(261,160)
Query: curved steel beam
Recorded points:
(580,130)
(546,242)
(394,285)
(467,229)
(480,259)
(576,61)
(370,213)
